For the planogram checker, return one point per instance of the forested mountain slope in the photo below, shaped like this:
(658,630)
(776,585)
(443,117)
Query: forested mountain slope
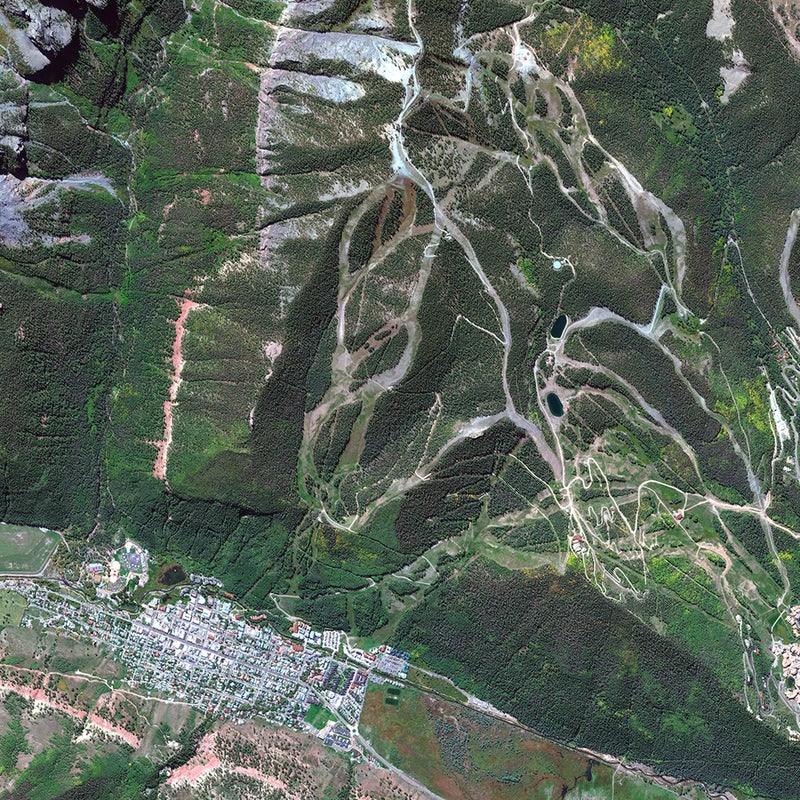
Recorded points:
(393,316)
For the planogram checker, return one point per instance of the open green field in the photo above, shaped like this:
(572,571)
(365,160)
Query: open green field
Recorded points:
(318,716)
(463,754)
(24,549)
(425,682)
(12,606)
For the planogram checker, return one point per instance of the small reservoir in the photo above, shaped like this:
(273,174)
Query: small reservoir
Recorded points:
(558,326)
(555,405)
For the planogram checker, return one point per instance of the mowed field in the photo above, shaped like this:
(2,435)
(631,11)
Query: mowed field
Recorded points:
(12,607)
(25,550)
(463,754)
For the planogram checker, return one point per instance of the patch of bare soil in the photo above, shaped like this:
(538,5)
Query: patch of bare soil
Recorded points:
(256,760)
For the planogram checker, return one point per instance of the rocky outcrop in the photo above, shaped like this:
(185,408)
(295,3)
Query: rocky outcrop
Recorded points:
(12,154)
(34,33)
(50,29)
(13,121)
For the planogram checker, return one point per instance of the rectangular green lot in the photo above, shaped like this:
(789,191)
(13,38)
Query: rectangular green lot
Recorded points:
(25,550)
(318,716)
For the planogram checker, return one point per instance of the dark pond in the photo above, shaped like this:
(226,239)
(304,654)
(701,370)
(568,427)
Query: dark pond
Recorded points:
(558,326)
(171,574)
(555,405)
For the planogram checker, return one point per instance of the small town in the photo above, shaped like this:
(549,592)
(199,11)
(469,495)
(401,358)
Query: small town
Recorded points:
(202,650)
(789,655)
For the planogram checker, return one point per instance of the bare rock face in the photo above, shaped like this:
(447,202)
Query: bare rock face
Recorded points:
(13,121)
(50,29)
(13,103)
(12,154)
(37,33)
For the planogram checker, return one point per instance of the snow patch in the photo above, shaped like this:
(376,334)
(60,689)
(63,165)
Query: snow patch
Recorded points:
(733,76)
(720,26)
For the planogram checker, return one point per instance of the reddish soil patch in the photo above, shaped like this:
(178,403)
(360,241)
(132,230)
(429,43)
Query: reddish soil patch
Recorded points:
(160,466)
(204,761)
